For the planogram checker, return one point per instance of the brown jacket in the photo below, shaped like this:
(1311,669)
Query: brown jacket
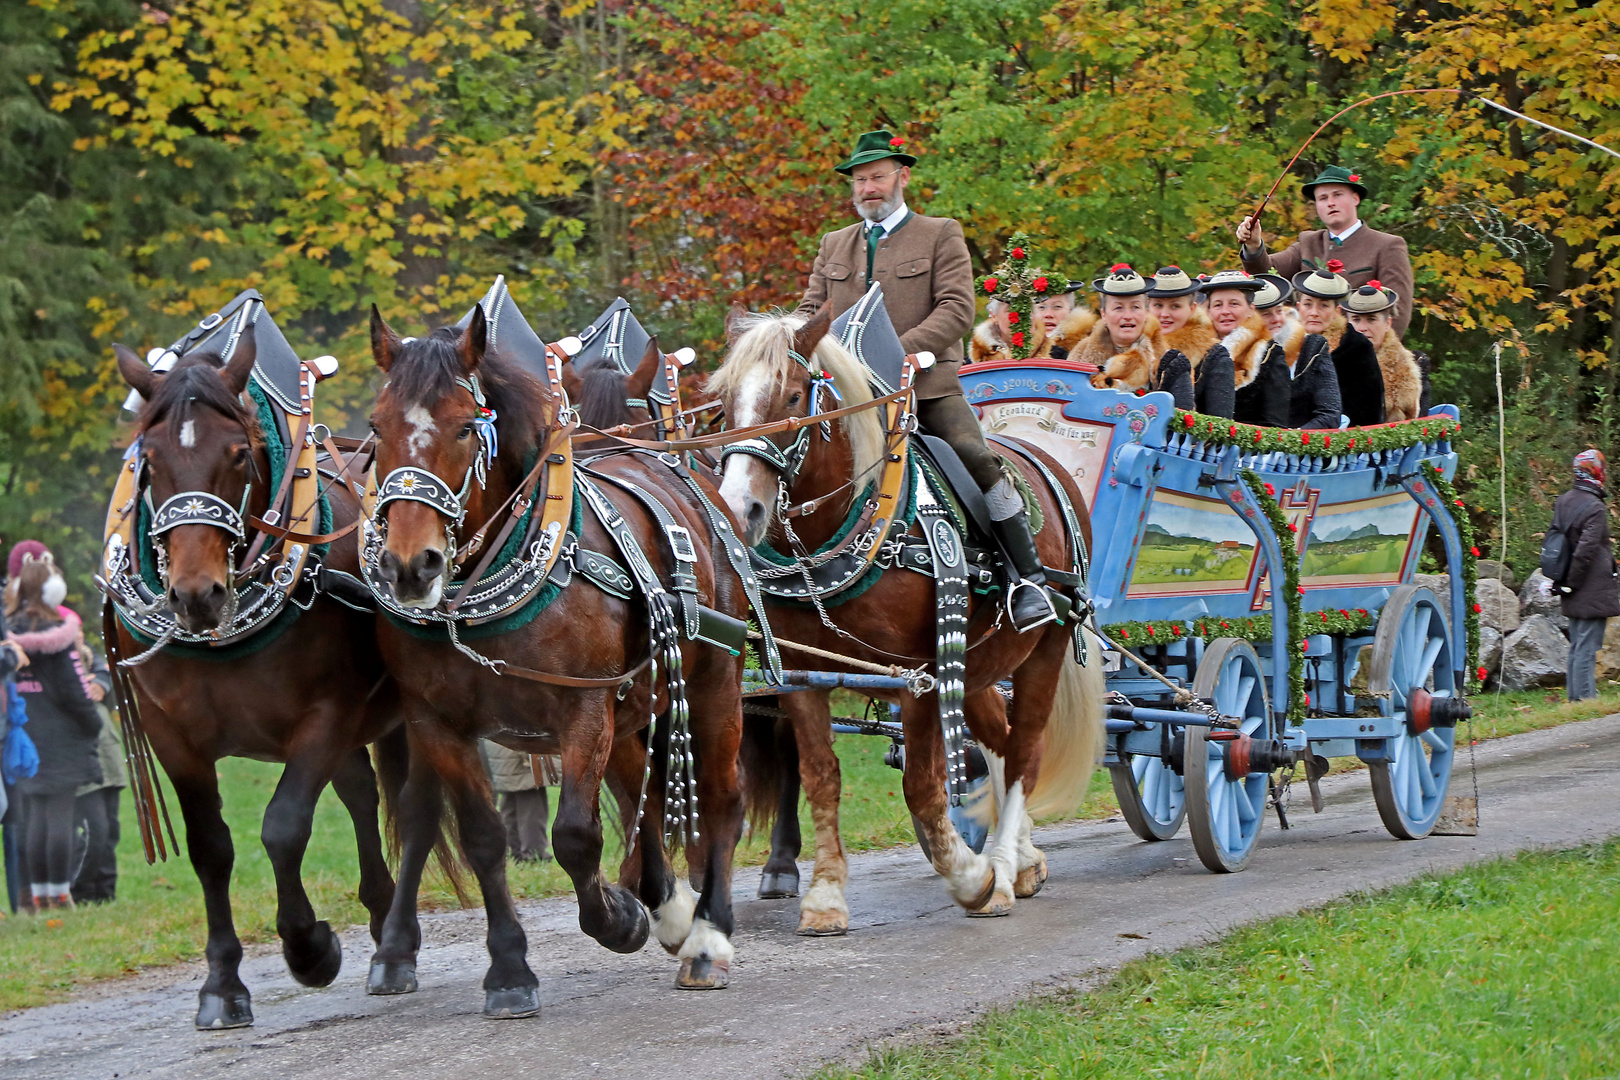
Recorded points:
(1368,252)
(927,286)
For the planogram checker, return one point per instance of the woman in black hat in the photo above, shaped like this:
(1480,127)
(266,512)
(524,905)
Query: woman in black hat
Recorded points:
(1319,289)
(1260,374)
(1371,312)
(1121,342)
(1187,339)
(1314,383)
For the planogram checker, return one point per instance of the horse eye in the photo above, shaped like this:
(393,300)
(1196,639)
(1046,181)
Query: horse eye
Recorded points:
(466,431)
(242,455)
(795,399)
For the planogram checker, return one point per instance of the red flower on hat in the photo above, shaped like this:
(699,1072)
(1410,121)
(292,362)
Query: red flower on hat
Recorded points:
(1018,339)
(1335,266)
(1355,178)
(990,284)
(1117,267)
(1039,284)
(1376,284)
(897,141)
(1017,253)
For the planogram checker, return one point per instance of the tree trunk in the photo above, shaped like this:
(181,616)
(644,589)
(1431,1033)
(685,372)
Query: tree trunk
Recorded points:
(425,261)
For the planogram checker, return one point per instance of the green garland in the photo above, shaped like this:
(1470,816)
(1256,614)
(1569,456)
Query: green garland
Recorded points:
(1282,529)
(1017,283)
(1322,443)
(1471,605)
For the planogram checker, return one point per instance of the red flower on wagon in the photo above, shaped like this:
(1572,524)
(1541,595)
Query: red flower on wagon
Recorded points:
(1482,673)
(1012,318)
(1362,612)
(1231,431)
(1457,502)
(1294,528)
(1474,551)
(1187,419)
(1018,339)
(1304,438)
(1301,589)
(1478,609)
(1269,489)
(1256,434)
(1039,284)
(1017,253)
(1141,391)
(1176,630)
(1343,612)
(990,284)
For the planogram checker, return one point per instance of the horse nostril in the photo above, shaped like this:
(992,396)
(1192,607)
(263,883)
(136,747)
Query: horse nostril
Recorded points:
(429,564)
(756,516)
(174,597)
(216,593)
(388,567)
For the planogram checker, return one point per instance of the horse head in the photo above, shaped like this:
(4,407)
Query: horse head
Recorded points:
(606,397)
(205,469)
(437,451)
(780,367)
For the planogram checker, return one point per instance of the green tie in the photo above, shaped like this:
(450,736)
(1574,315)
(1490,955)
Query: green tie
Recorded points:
(873,235)
(1336,241)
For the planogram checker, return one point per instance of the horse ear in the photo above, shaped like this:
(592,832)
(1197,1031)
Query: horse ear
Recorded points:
(384,342)
(734,323)
(240,369)
(810,334)
(135,371)
(641,379)
(572,384)
(471,345)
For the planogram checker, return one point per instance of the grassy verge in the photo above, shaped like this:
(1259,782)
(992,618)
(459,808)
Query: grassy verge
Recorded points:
(158,916)
(1499,970)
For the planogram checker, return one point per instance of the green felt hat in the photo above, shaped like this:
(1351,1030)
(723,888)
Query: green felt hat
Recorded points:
(1335,174)
(875,146)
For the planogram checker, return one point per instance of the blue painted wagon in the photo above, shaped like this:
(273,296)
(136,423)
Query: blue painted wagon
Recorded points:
(1255,589)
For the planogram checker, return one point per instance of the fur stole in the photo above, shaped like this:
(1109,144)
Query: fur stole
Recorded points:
(1403,379)
(1074,329)
(1130,369)
(1247,346)
(1335,332)
(1195,338)
(986,344)
(50,639)
(1292,339)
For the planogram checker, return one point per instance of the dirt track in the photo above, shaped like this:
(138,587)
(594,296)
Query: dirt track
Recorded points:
(910,963)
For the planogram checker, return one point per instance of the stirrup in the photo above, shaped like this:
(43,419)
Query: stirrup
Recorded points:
(1047,615)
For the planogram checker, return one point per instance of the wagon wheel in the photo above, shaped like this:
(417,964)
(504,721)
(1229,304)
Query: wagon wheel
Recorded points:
(1152,796)
(1413,679)
(1225,811)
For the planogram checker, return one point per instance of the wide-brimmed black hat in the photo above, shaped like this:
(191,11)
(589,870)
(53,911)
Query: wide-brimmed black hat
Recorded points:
(1230,279)
(875,146)
(1324,282)
(1121,281)
(1335,174)
(1370,299)
(1171,281)
(1274,290)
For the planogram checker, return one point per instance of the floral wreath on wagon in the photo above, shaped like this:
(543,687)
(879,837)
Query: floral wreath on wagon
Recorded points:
(1020,284)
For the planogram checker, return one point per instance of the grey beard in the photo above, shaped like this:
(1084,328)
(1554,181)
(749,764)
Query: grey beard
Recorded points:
(883,210)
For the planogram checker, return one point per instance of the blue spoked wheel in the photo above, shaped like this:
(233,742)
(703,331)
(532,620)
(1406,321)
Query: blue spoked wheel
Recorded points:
(1152,796)
(1225,811)
(1411,667)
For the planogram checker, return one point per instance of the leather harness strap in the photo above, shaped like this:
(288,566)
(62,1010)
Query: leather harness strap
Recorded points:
(732,435)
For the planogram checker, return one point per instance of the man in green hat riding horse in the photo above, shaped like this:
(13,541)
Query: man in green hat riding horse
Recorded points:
(927,277)
(1366,252)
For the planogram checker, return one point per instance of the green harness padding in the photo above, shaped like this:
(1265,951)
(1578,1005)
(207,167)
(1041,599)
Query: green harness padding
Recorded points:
(146,557)
(521,616)
(907,516)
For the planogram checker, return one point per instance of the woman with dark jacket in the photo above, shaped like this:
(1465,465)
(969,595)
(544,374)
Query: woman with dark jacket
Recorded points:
(62,720)
(1192,368)
(1260,374)
(1589,594)
(1314,384)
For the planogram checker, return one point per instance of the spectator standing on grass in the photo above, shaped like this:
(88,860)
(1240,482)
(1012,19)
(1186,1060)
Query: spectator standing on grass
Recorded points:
(11,658)
(519,780)
(1589,593)
(62,721)
(96,804)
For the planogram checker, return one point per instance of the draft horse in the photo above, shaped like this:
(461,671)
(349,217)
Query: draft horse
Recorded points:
(1048,737)
(572,681)
(311,698)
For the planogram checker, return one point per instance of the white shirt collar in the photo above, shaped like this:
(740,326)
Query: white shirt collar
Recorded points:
(1347,234)
(892,221)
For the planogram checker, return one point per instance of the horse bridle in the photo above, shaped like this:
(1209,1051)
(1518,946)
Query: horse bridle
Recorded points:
(412,483)
(788,460)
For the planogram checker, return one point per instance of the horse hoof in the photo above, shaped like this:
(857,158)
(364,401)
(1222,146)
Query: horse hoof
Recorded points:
(632,941)
(514,1004)
(220,1012)
(823,923)
(328,960)
(1030,880)
(391,977)
(998,904)
(701,973)
(779,884)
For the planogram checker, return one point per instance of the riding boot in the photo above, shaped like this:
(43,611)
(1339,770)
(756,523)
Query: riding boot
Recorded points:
(1028,605)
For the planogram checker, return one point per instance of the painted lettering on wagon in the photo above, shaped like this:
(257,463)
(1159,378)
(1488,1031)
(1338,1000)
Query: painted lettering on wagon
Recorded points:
(1081,448)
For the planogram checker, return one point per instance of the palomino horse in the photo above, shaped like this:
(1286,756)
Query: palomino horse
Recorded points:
(767,376)
(312,697)
(573,680)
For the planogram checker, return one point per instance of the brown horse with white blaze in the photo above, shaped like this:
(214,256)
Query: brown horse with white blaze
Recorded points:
(313,698)
(1050,736)
(576,681)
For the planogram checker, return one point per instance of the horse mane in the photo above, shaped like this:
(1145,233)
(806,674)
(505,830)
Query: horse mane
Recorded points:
(603,391)
(425,370)
(196,380)
(765,342)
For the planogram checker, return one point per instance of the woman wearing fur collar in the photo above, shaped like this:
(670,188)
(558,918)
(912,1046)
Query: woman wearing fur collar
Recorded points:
(1314,384)
(1371,310)
(989,341)
(1260,373)
(1319,289)
(1124,343)
(1187,338)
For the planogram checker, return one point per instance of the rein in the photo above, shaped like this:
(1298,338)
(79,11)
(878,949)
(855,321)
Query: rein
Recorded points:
(756,431)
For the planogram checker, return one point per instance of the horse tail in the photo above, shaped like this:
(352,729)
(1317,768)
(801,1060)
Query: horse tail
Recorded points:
(1074,735)
(392,756)
(768,750)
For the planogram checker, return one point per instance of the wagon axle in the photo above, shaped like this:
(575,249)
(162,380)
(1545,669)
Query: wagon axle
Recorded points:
(1425,711)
